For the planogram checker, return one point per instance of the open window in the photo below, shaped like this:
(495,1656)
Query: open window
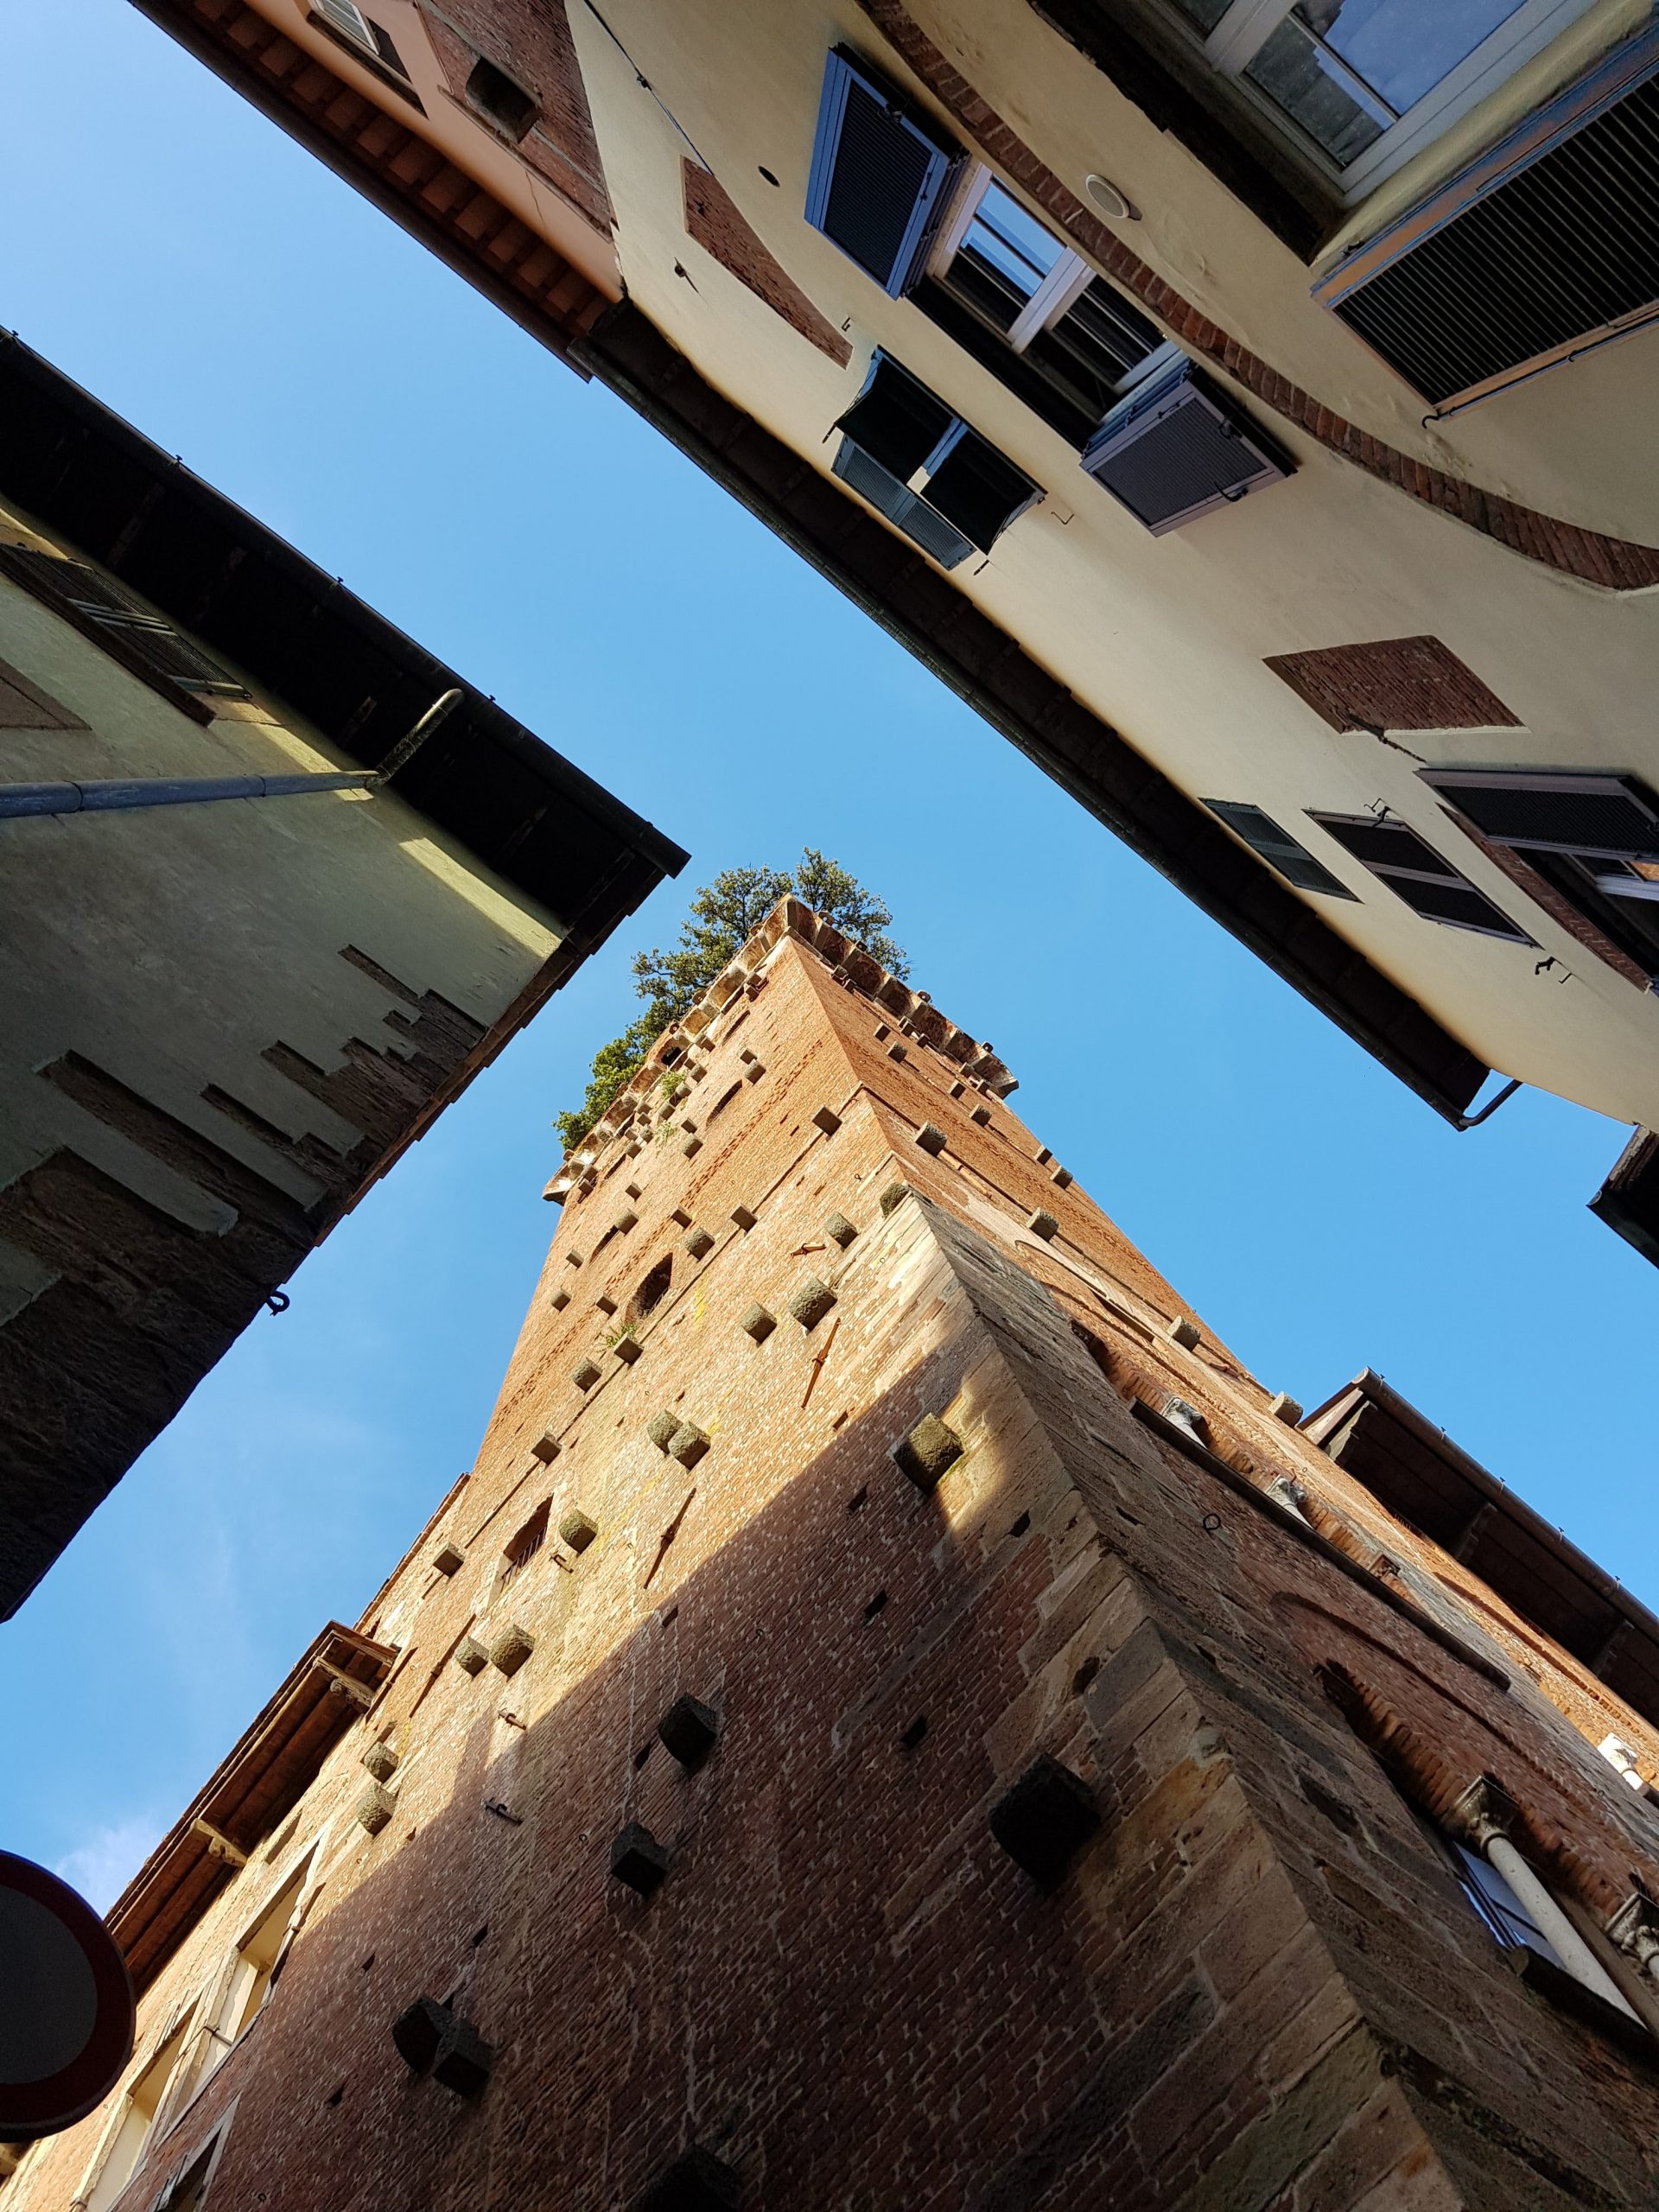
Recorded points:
(345,21)
(1357,87)
(123,2148)
(919,464)
(1593,839)
(1414,872)
(237,1998)
(1033,312)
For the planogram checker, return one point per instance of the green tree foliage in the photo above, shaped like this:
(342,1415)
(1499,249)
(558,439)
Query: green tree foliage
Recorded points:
(724,915)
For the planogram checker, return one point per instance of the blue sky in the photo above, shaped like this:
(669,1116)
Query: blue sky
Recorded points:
(176,254)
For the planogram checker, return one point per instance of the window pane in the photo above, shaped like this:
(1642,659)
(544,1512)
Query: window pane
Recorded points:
(1205,13)
(1086,351)
(1499,1905)
(1345,69)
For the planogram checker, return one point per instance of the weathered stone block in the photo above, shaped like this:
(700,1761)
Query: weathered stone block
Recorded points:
(812,1302)
(1183,1331)
(661,1428)
(826,1121)
(697,1241)
(894,1196)
(758,1323)
(691,1146)
(512,1648)
(584,1375)
(930,1138)
(559,1300)
(464,2060)
(381,1761)
(840,1230)
(1045,1819)
(626,1220)
(449,1559)
(687,1731)
(929,1450)
(471,1657)
(744,1219)
(1060,1178)
(546,1448)
(638,1859)
(419,2032)
(576,1529)
(627,1349)
(980,1115)
(1284,1408)
(1044,1224)
(753,1073)
(896,1050)
(688,1444)
(375,1807)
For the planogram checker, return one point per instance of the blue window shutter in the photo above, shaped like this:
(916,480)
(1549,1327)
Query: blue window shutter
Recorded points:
(1175,449)
(880,174)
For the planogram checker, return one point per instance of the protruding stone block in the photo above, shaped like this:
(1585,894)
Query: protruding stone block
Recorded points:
(584,1375)
(1043,1821)
(464,2061)
(375,1807)
(697,1241)
(746,1055)
(680,1218)
(1284,1408)
(744,1219)
(559,1300)
(892,1197)
(661,1428)
(826,1120)
(576,1529)
(638,1859)
(979,1115)
(546,1448)
(688,1444)
(1044,1225)
(691,1146)
(928,1452)
(698,2182)
(840,1230)
(758,1323)
(688,1730)
(932,1139)
(812,1302)
(605,1304)
(449,1559)
(753,1073)
(1061,1177)
(1183,1331)
(419,2032)
(512,1648)
(627,1349)
(957,1088)
(624,1221)
(381,1761)
(896,1050)
(471,1657)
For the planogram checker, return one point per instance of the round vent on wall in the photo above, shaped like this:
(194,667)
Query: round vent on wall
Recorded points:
(1108,200)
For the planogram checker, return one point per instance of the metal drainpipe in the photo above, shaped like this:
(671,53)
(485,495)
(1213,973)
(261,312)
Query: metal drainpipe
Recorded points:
(119,795)
(1483,1815)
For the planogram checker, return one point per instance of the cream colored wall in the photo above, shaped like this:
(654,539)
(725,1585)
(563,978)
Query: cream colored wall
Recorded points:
(1165,638)
(171,946)
(448,126)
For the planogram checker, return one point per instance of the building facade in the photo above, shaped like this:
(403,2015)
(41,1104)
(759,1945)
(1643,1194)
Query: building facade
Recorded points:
(240,976)
(1240,402)
(896,1714)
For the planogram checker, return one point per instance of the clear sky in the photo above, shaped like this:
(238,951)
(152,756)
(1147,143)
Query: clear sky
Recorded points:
(176,254)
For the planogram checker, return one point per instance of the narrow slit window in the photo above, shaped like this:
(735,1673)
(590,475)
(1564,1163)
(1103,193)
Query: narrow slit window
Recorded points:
(524,1547)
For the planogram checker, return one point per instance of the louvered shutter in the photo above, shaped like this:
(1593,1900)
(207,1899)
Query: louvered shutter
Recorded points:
(879,175)
(894,430)
(1548,238)
(979,489)
(1175,450)
(896,420)
(100,601)
(1416,872)
(1278,848)
(1609,816)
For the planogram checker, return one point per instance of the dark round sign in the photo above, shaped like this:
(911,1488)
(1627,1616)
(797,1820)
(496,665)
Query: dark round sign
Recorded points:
(66,2019)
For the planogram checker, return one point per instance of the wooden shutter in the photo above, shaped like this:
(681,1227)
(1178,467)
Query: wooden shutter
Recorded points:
(1416,872)
(1548,239)
(1278,848)
(895,431)
(1175,449)
(1612,816)
(880,174)
(979,489)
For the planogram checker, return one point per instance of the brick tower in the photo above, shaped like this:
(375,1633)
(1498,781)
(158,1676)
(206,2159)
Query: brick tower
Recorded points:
(896,1717)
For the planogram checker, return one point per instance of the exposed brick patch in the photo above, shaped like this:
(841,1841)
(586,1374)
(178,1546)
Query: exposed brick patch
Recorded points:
(713,221)
(1392,684)
(1614,563)
(531,40)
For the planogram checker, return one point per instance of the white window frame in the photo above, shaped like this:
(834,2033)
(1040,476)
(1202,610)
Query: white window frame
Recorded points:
(1248,24)
(1064,285)
(335,14)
